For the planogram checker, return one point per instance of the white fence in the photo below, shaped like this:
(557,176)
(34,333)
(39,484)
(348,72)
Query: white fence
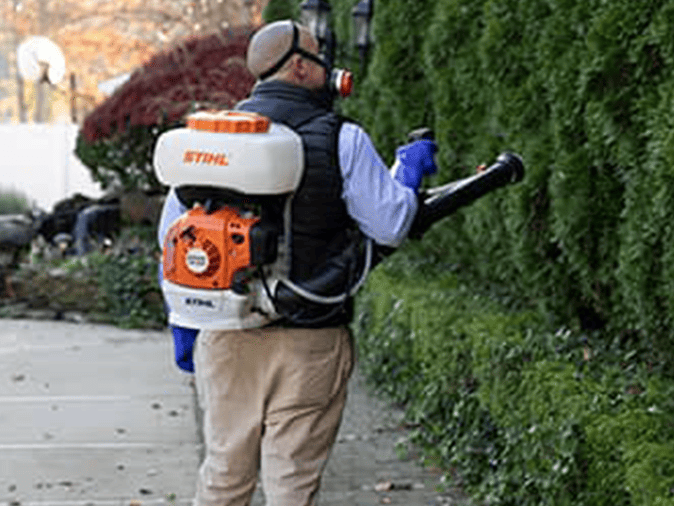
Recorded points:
(38,160)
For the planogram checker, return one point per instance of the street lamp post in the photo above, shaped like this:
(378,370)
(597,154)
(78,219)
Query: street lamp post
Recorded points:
(362,15)
(316,15)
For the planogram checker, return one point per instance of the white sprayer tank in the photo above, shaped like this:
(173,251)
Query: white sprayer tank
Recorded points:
(238,151)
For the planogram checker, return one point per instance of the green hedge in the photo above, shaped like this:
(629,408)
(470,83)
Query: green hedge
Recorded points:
(583,90)
(277,10)
(526,416)
(529,334)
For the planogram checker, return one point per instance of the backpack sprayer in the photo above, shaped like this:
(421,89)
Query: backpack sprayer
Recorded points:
(226,260)
(236,172)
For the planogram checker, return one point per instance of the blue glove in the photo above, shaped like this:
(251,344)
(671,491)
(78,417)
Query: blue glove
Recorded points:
(183,343)
(415,160)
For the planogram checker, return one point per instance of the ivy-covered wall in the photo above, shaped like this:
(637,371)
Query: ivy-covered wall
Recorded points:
(584,91)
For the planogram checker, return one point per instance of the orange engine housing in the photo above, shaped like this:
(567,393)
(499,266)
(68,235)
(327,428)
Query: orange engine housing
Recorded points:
(206,250)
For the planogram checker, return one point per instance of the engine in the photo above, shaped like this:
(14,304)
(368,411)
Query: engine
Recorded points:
(214,250)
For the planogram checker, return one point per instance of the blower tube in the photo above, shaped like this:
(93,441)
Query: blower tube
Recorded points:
(436,203)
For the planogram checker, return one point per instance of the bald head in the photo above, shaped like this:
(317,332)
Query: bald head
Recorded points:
(271,43)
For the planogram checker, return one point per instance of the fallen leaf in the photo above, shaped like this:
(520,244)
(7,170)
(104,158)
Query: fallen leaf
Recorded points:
(587,353)
(387,486)
(634,390)
(384,486)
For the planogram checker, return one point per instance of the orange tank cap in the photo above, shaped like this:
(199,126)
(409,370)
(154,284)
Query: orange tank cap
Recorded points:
(228,122)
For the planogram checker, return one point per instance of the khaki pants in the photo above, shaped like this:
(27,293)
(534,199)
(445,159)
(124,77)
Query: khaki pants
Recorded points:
(272,400)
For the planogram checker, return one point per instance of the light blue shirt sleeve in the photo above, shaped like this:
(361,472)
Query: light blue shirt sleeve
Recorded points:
(383,208)
(170,212)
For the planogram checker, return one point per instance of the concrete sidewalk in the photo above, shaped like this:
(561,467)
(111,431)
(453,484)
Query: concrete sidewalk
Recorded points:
(91,415)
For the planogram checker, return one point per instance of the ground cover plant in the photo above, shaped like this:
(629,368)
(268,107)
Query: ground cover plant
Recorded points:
(521,413)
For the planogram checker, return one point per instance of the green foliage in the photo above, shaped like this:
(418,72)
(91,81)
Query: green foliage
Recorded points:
(583,91)
(395,78)
(128,282)
(117,286)
(13,202)
(525,415)
(123,160)
(277,10)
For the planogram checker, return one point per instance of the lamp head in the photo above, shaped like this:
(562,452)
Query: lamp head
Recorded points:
(315,14)
(362,15)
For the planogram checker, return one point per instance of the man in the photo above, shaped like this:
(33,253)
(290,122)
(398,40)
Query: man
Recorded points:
(273,396)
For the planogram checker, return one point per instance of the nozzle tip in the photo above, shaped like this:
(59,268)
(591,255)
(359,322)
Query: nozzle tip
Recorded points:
(515,163)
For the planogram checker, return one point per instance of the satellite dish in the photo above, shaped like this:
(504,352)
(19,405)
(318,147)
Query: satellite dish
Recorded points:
(39,58)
